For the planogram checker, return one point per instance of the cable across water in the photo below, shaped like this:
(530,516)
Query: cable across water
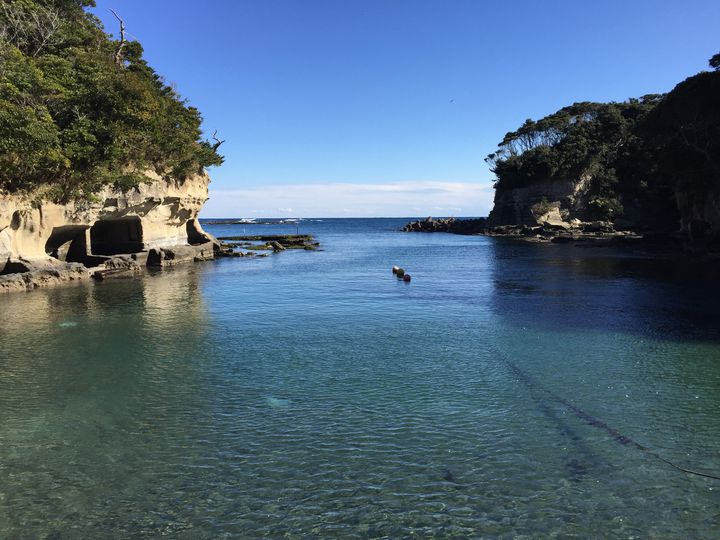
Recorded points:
(593,421)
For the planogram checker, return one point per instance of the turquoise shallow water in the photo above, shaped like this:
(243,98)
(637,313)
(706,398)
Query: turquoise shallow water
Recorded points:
(312,395)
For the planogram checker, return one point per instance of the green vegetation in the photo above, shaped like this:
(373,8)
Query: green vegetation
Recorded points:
(584,140)
(543,207)
(638,152)
(683,134)
(715,61)
(79,110)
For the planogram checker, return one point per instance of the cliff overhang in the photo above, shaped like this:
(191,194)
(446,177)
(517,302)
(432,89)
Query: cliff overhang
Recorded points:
(154,224)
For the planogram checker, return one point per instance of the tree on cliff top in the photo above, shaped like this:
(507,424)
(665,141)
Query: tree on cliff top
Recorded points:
(582,140)
(715,62)
(683,132)
(640,152)
(80,110)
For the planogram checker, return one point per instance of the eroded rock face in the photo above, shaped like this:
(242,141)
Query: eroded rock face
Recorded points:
(700,216)
(522,206)
(693,216)
(158,214)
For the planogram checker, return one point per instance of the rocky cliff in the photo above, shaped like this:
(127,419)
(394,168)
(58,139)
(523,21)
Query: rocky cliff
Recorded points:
(155,223)
(700,216)
(650,164)
(691,217)
(524,205)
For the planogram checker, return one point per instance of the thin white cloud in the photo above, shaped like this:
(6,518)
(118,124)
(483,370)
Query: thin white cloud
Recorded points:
(411,198)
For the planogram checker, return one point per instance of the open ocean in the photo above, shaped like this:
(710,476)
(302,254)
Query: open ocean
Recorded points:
(510,390)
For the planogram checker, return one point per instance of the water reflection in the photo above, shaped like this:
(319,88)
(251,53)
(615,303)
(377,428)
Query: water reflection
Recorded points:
(97,382)
(605,332)
(313,394)
(173,300)
(599,289)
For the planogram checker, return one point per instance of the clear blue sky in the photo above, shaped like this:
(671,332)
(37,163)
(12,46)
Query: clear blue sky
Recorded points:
(340,107)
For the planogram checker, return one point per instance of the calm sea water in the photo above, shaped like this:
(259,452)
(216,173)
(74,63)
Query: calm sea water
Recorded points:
(313,395)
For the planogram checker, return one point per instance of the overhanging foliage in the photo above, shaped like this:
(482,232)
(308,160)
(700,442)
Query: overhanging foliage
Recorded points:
(72,119)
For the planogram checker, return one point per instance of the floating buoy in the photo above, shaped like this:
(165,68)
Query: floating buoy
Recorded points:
(395,269)
(400,273)
(407,278)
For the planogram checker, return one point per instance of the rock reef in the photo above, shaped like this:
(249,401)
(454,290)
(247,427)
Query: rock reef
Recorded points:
(276,243)
(561,209)
(116,232)
(547,227)
(451,225)
(558,211)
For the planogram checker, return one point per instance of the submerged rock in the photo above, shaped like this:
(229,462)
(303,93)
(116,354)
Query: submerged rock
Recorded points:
(277,403)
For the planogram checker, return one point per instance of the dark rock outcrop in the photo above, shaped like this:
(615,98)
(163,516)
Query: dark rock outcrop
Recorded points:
(547,228)
(273,242)
(451,225)
(161,257)
(700,219)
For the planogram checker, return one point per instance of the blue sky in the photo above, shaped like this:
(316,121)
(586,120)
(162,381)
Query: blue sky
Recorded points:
(388,107)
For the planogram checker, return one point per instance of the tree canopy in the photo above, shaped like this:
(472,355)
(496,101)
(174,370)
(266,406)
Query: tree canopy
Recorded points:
(584,139)
(80,110)
(715,61)
(641,150)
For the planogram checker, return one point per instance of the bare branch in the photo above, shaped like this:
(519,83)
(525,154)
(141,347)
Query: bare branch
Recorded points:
(218,142)
(79,115)
(16,26)
(47,23)
(30,30)
(123,41)
(695,145)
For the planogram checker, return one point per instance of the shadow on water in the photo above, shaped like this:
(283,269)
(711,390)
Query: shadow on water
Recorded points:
(603,289)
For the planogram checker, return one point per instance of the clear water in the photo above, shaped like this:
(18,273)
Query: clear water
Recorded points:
(312,395)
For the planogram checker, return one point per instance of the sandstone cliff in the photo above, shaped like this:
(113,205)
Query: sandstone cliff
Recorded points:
(524,205)
(693,217)
(651,165)
(156,222)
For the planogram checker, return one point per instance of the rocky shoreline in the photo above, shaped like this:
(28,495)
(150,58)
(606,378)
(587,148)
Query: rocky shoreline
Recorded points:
(117,233)
(34,274)
(113,234)
(29,274)
(549,231)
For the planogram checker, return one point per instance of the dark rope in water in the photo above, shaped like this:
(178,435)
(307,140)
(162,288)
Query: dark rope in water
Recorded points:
(596,422)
